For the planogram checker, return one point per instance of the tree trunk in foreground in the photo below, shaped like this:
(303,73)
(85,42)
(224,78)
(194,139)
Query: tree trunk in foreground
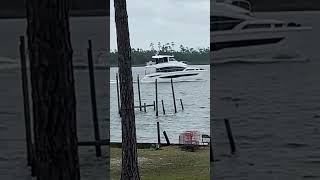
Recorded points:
(54,103)
(130,170)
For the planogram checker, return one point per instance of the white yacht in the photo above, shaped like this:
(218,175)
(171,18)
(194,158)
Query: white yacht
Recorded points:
(166,67)
(236,34)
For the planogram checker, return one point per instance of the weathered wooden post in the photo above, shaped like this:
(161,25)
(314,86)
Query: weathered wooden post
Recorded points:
(93,100)
(33,162)
(139,92)
(181,104)
(229,132)
(158,129)
(167,139)
(26,103)
(164,112)
(211,153)
(156,86)
(174,98)
(154,105)
(118,95)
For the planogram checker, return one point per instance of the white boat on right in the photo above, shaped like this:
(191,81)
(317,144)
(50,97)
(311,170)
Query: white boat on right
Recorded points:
(236,35)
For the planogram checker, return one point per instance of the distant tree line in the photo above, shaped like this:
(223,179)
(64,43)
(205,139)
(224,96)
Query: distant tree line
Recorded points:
(183,53)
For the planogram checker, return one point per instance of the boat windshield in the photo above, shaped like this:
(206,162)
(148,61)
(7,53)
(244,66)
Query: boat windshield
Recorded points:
(161,60)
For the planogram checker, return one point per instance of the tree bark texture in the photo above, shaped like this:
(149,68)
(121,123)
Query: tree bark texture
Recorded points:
(53,91)
(130,170)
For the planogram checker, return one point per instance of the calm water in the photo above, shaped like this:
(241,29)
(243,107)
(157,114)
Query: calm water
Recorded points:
(196,114)
(274,113)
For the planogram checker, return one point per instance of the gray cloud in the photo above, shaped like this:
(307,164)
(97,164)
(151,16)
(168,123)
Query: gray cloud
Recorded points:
(181,21)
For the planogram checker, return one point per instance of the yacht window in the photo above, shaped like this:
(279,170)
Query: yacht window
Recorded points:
(162,60)
(223,18)
(256,26)
(278,25)
(242,4)
(220,23)
(189,69)
(293,25)
(223,26)
(170,69)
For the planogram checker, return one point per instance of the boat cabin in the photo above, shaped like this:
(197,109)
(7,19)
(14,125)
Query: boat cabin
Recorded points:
(162,59)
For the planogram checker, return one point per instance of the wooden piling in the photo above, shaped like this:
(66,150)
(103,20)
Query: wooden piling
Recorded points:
(181,104)
(33,163)
(156,86)
(158,129)
(167,139)
(139,92)
(229,132)
(164,111)
(118,95)
(93,100)
(145,107)
(26,103)
(211,153)
(174,98)
(154,105)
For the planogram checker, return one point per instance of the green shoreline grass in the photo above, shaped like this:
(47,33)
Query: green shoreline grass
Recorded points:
(167,163)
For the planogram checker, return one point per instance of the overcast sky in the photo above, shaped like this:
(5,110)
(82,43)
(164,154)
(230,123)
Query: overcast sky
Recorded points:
(181,21)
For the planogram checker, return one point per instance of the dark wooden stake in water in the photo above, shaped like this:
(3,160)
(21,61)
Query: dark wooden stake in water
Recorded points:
(118,95)
(156,86)
(33,162)
(93,100)
(26,102)
(181,104)
(231,141)
(158,129)
(139,93)
(164,112)
(174,98)
(145,107)
(154,105)
(211,154)
(167,139)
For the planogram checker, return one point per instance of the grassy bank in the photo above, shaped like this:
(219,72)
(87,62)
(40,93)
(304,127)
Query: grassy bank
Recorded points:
(167,163)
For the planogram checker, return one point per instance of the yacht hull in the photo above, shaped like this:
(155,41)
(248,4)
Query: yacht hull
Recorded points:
(181,76)
(255,46)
